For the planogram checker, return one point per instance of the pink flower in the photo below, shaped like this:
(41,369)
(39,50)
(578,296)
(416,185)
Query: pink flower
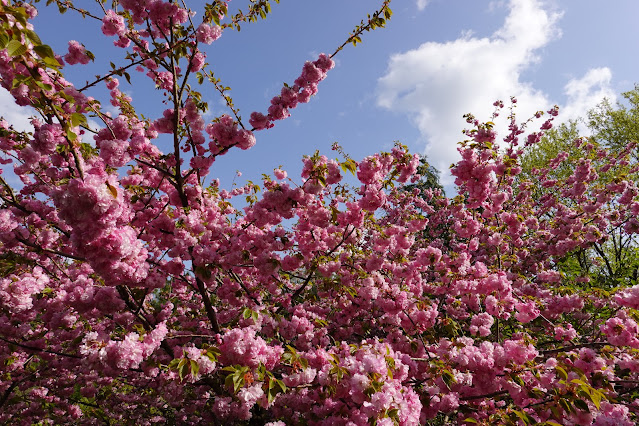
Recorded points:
(113,24)
(197,62)
(428,256)
(223,131)
(114,152)
(481,324)
(260,121)
(77,54)
(279,174)
(124,354)
(242,346)
(207,34)
(311,74)
(278,112)
(622,331)
(244,139)
(628,297)
(47,138)
(324,63)
(565,334)
(526,311)
(369,170)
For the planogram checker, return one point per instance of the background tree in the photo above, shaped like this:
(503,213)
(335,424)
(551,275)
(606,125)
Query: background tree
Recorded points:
(428,177)
(614,126)
(615,261)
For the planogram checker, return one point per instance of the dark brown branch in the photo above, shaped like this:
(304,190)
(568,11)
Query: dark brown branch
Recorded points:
(50,251)
(7,392)
(246,290)
(32,348)
(488,395)
(314,268)
(360,30)
(570,348)
(210,312)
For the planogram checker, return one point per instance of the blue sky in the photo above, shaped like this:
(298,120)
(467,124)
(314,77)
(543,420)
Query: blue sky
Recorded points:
(412,81)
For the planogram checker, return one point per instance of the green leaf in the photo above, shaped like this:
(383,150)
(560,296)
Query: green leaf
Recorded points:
(238,382)
(471,420)
(523,416)
(272,393)
(393,413)
(20,79)
(140,329)
(561,373)
(596,397)
(195,368)
(182,367)
(565,405)
(536,393)
(71,136)
(77,119)
(15,48)
(52,62)
(4,39)
(33,37)
(43,86)
(448,378)
(275,387)
(210,354)
(228,382)
(20,14)
(349,166)
(518,380)
(582,405)
(350,290)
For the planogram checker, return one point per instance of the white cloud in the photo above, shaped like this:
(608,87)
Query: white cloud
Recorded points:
(437,83)
(18,116)
(585,93)
(421,4)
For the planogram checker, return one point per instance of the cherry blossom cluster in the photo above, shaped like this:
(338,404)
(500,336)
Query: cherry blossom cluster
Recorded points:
(304,87)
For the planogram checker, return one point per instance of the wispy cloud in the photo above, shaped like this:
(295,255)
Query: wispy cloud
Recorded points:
(437,83)
(421,4)
(15,115)
(586,92)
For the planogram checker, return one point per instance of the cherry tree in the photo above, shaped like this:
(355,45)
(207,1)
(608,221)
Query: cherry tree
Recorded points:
(133,293)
